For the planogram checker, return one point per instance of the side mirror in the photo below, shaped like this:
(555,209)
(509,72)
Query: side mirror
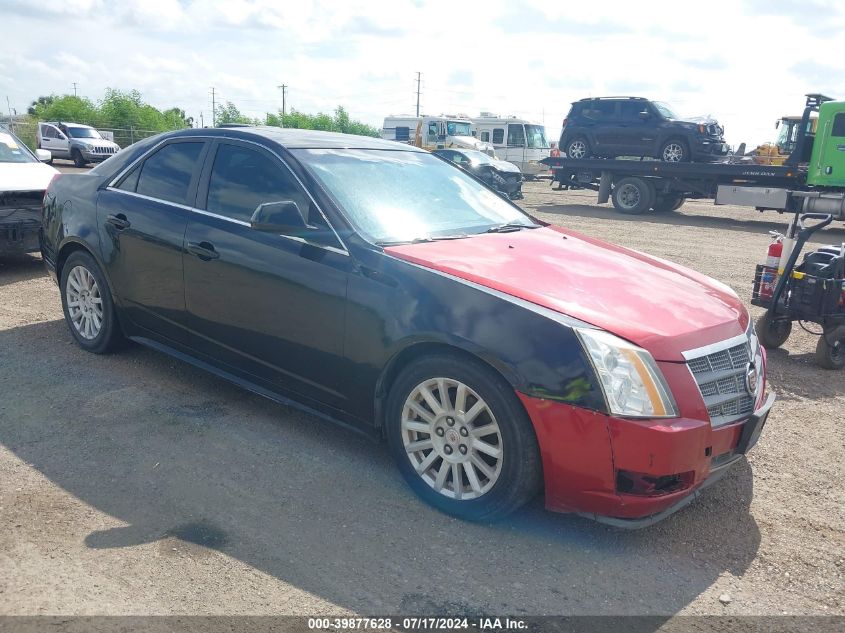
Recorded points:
(283,217)
(644,115)
(44,155)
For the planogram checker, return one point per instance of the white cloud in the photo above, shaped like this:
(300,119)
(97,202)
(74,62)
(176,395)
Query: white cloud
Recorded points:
(746,63)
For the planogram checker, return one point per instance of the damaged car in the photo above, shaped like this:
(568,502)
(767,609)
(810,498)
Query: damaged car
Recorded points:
(503,176)
(23,179)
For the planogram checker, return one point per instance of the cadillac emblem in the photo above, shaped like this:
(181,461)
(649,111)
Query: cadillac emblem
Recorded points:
(751,379)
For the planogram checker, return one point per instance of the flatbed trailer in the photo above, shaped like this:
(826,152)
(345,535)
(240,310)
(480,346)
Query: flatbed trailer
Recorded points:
(810,182)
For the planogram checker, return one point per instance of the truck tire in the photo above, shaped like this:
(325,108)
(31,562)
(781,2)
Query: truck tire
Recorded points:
(668,202)
(772,332)
(578,148)
(78,161)
(633,195)
(675,151)
(830,350)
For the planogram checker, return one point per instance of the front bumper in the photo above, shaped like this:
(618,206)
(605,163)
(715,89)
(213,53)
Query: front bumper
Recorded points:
(19,237)
(93,157)
(709,148)
(583,453)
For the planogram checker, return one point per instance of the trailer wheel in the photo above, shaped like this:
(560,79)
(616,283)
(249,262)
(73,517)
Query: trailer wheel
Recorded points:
(578,148)
(633,195)
(674,151)
(830,350)
(668,202)
(772,332)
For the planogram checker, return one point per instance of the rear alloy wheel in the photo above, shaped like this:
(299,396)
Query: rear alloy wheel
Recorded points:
(633,195)
(578,148)
(830,350)
(87,305)
(462,439)
(667,202)
(674,151)
(772,332)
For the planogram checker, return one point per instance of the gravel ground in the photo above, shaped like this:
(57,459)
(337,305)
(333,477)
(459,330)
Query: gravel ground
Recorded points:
(135,484)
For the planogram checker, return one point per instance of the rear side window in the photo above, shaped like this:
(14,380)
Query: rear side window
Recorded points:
(600,110)
(498,135)
(166,175)
(838,125)
(485,136)
(403,133)
(242,179)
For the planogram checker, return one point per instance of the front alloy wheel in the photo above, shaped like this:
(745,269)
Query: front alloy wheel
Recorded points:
(674,152)
(452,438)
(461,437)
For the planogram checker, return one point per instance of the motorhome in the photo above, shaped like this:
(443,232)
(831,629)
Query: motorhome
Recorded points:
(515,140)
(433,132)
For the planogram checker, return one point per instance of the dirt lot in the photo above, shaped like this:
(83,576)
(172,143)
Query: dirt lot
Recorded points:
(135,484)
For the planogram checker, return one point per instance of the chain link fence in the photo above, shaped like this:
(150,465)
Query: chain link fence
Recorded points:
(26,131)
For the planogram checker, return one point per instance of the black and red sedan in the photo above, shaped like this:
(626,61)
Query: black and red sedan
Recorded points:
(376,285)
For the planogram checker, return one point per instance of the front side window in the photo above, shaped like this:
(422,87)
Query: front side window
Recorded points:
(838,124)
(395,196)
(242,179)
(458,128)
(516,135)
(631,111)
(498,135)
(166,175)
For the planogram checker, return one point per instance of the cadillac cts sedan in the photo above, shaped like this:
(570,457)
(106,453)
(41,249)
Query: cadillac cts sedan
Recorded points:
(373,284)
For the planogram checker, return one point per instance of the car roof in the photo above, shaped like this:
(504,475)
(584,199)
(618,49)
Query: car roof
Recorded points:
(291,138)
(622,98)
(66,124)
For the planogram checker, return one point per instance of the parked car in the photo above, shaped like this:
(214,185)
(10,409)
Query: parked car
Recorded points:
(373,284)
(23,179)
(503,176)
(609,127)
(80,143)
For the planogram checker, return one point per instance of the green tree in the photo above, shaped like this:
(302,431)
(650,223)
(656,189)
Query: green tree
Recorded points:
(340,122)
(228,113)
(64,108)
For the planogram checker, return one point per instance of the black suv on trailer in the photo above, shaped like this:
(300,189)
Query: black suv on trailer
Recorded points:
(608,127)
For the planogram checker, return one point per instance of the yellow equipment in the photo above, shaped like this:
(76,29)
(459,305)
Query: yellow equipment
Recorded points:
(776,153)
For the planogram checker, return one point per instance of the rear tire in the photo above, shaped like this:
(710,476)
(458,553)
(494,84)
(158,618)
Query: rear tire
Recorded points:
(578,148)
(461,438)
(830,350)
(772,332)
(87,305)
(633,196)
(668,202)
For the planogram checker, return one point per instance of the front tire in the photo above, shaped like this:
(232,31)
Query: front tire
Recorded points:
(462,439)
(674,151)
(87,305)
(830,350)
(772,333)
(78,161)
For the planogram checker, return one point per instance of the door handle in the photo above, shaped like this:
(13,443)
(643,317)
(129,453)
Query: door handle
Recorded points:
(119,221)
(204,250)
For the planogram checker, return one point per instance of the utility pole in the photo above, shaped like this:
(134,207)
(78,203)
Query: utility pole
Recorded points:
(202,120)
(418,93)
(284,87)
(213,108)
(74,88)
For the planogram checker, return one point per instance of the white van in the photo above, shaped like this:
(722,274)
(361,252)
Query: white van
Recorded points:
(515,140)
(433,132)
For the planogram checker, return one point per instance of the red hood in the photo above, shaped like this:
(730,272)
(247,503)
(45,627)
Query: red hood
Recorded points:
(660,306)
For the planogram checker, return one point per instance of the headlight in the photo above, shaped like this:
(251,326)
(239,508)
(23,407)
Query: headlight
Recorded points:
(632,383)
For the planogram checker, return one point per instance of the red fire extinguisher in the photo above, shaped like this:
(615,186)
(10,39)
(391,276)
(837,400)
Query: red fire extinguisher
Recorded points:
(769,277)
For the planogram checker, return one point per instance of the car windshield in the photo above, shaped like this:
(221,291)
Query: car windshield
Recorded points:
(458,128)
(536,136)
(397,196)
(83,132)
(13,151)
(665,110)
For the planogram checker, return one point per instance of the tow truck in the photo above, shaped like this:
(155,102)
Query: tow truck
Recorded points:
(811,179)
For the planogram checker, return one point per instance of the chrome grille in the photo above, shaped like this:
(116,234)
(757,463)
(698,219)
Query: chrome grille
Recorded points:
(720,370)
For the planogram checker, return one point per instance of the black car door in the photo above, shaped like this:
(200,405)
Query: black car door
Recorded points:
(266,305)
(141,219)
(637,133)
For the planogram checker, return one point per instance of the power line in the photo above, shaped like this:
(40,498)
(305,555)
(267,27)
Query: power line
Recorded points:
(284,88)
(213,109)
(74,88)
(419,74)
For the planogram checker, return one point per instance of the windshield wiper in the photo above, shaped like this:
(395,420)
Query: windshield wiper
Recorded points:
(509,227)
(421,240)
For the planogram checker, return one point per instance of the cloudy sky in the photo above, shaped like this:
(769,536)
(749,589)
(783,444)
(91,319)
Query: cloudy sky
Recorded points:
(746,62)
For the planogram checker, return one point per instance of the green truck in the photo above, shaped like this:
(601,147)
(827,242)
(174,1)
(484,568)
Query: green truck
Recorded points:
(812,180)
